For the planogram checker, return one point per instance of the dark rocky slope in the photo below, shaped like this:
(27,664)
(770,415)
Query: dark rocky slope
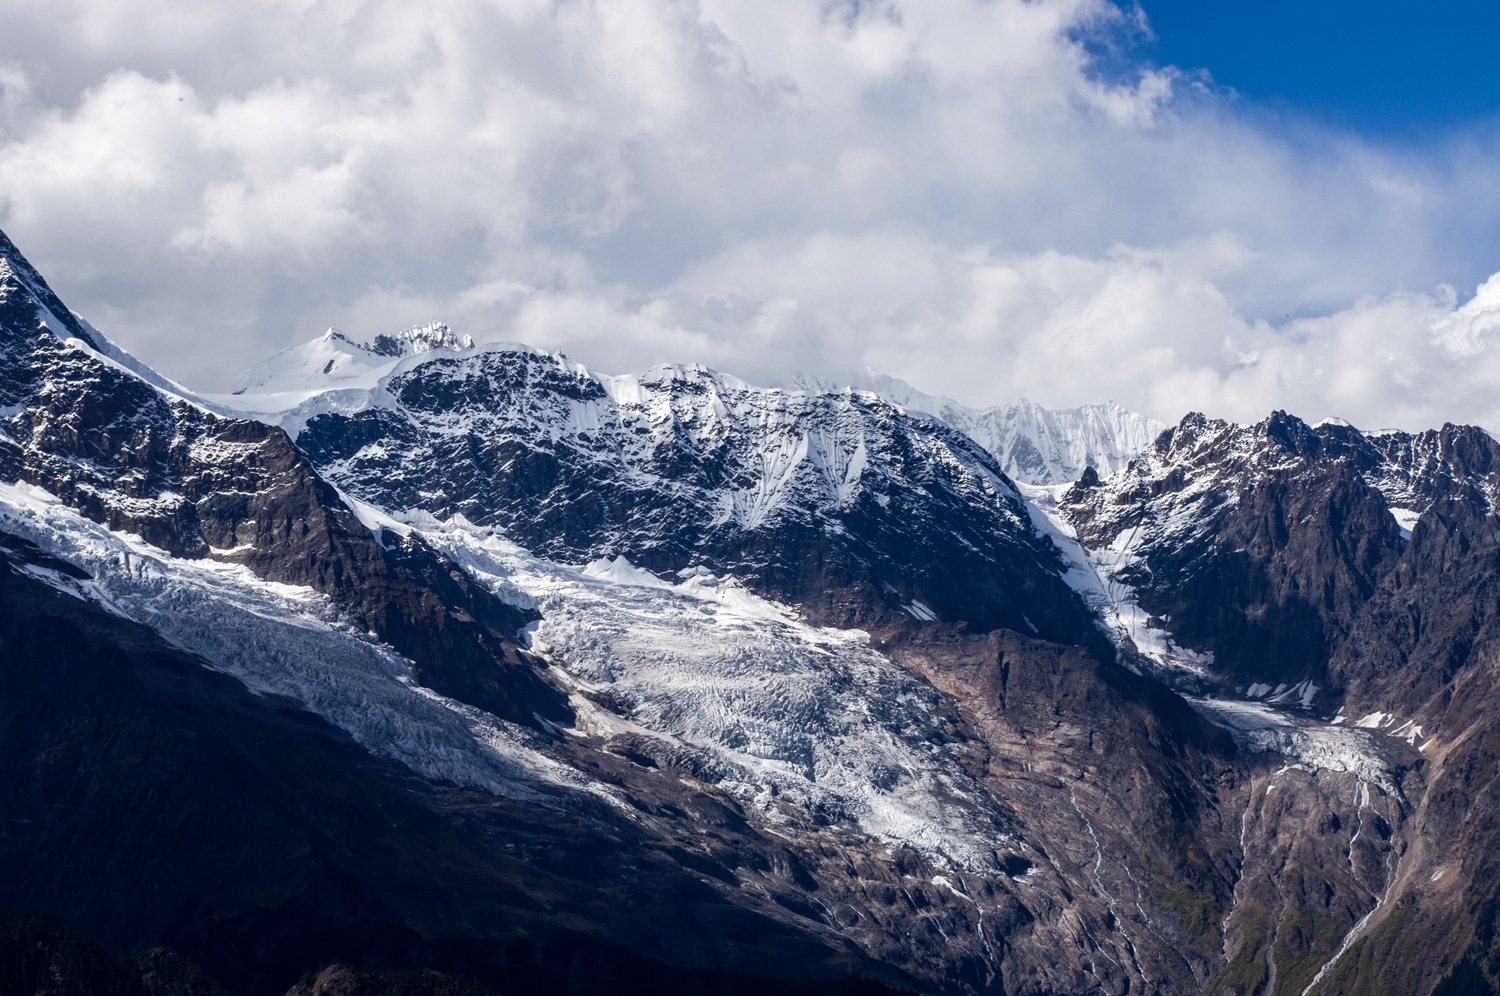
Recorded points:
(1274,548)
(152,801)
(839,503)
(137,459)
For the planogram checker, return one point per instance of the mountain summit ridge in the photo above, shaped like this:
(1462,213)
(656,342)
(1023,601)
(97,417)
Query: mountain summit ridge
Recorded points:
(334,360)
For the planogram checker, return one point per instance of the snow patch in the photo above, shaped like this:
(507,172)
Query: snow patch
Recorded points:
(373,519)
(1406,519)
(919,611)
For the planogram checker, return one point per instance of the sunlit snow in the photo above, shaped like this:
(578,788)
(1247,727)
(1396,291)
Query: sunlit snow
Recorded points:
(286,640)
(788,713)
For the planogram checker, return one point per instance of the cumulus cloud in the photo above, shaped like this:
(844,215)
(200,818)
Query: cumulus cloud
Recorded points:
(1148,329)
(953,191)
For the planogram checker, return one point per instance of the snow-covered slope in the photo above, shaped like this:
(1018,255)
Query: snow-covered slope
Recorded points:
(332,362)
(1037,445)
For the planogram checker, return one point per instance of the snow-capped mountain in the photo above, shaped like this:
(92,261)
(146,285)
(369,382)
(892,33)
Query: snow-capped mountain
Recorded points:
(1036,445)
(1315,516)
(417,654)
(334,361)
(832,500)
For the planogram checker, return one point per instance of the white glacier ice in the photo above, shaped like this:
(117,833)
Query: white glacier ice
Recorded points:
(794,716)
(1304,742)
(796,721)
(289,641)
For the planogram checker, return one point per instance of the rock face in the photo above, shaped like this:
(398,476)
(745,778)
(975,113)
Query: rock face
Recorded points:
(1254,544)
(418,656)
(1352,574)
(836,502)
(129,455)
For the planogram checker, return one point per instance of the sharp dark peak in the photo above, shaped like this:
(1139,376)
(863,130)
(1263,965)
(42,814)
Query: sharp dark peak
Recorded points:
(28,279)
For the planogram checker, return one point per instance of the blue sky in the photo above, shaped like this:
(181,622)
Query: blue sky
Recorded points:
(1392,69)
(989,198)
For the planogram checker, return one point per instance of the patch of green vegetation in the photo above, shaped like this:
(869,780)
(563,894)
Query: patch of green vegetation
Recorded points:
(1474,951)
(1153,864)
(1301,871)
(1386,962)
(1247,970)
(1465,979)
(1193,853)
(1197,914)
(1305,940)
(341,980)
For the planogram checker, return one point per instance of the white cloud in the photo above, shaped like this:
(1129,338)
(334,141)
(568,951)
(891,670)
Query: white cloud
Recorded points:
(945,190)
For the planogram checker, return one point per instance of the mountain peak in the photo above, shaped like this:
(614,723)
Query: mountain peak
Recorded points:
(334,361)
(1035,445)
(409,342)
(16,268)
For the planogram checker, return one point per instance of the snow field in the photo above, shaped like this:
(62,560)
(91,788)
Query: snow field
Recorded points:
(793,714)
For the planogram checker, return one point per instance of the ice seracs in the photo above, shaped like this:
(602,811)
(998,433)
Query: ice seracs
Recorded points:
(785,716)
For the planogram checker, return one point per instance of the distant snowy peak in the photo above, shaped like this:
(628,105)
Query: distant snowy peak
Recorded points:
(1036,445)
(334,361)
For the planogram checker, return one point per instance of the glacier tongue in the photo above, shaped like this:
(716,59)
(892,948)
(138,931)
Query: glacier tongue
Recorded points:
(1036,445)
(795,720)
(1094,575)
(290,641)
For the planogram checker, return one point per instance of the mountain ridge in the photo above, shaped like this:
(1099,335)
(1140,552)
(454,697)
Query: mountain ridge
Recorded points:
(555,654)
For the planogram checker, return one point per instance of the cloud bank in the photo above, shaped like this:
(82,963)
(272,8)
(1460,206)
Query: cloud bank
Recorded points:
(964,193)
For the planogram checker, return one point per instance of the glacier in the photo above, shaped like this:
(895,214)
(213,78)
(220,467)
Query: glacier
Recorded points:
(797,722)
